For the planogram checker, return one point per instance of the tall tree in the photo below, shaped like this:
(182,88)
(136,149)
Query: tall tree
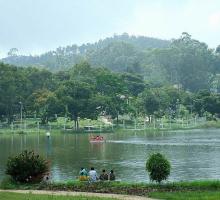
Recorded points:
(75,96)
(189,63)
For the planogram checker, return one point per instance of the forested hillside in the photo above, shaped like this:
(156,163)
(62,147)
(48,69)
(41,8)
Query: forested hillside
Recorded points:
(118,53)
(184,62)
(116,79)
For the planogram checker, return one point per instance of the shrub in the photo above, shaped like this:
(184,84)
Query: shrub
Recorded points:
(158,167)
(27,167)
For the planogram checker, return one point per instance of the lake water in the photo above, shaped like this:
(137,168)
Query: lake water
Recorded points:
(193,154)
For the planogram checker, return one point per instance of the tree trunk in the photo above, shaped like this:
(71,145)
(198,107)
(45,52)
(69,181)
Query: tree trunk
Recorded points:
(9,114)
(76,122)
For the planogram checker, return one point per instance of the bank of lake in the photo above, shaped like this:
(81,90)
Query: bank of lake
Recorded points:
(109,129)
(207,189)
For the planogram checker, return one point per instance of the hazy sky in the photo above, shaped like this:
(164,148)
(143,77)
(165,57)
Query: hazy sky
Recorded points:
(35,26)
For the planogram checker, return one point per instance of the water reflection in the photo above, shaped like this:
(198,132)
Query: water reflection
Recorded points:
(48,147)
(193,154)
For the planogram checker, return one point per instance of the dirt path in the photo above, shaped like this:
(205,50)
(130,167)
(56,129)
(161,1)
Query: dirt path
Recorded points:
(64,193)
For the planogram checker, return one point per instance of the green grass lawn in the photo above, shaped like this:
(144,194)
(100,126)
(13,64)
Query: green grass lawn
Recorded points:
(31,125)
(13,196)
(197,195)
(196,190)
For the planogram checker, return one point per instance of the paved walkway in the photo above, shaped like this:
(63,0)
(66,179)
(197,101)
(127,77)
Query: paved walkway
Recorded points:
(89,194)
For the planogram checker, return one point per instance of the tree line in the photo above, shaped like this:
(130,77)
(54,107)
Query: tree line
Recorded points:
(185,62)
(86,92)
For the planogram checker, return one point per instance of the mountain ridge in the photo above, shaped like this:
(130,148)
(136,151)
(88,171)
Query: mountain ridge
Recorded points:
(65,57)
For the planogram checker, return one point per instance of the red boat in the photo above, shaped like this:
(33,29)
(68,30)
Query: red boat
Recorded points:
(97,138)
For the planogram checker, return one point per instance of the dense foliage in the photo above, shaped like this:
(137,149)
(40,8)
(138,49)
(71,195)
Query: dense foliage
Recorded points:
(148,77)
(27,167)
(120,53)
(158,167)
(184,62)
(85,92)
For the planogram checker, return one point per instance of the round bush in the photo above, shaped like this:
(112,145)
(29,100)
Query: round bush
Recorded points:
(158,167)
(27,167)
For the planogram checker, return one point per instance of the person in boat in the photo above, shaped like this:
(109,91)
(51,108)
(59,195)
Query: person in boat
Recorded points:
(111,176)
(83,175)
(103,176)
(93,176)
(93,138)
(97,138)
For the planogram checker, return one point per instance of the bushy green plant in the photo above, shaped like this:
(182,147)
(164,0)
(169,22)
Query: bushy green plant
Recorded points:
(27,167)
(158,167)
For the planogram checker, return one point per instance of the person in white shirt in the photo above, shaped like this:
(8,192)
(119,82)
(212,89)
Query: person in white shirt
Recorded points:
(93,176)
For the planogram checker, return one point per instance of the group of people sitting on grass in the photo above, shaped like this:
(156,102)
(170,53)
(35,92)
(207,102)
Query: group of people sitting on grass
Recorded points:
(92,175)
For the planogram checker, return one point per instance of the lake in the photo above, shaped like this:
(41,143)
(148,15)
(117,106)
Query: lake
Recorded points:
(193,154)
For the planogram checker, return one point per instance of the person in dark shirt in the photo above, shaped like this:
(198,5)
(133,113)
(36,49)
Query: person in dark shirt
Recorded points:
(111,176)
(103,176)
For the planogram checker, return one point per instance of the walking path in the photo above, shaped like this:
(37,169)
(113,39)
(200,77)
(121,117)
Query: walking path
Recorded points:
(89,194)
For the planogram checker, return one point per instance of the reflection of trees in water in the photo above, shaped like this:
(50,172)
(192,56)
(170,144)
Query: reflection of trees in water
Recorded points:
(12,142)
(38,140)
(194,162)
(69,152)
(23,142)
(48,147)
(97,149)
(75,152)
(21,146)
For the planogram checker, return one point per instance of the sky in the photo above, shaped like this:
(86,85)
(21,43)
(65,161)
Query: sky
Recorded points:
(36,26)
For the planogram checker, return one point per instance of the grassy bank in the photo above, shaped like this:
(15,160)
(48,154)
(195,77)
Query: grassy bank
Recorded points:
(198,195)
(13,196)
(210,124)
(33,125)
(208,195)
(206,125)
(141,189)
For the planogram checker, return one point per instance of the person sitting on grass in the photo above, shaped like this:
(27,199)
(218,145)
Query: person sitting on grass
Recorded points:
(93,176)
(46,178)
(83,175)
(111,176)
(103,176)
